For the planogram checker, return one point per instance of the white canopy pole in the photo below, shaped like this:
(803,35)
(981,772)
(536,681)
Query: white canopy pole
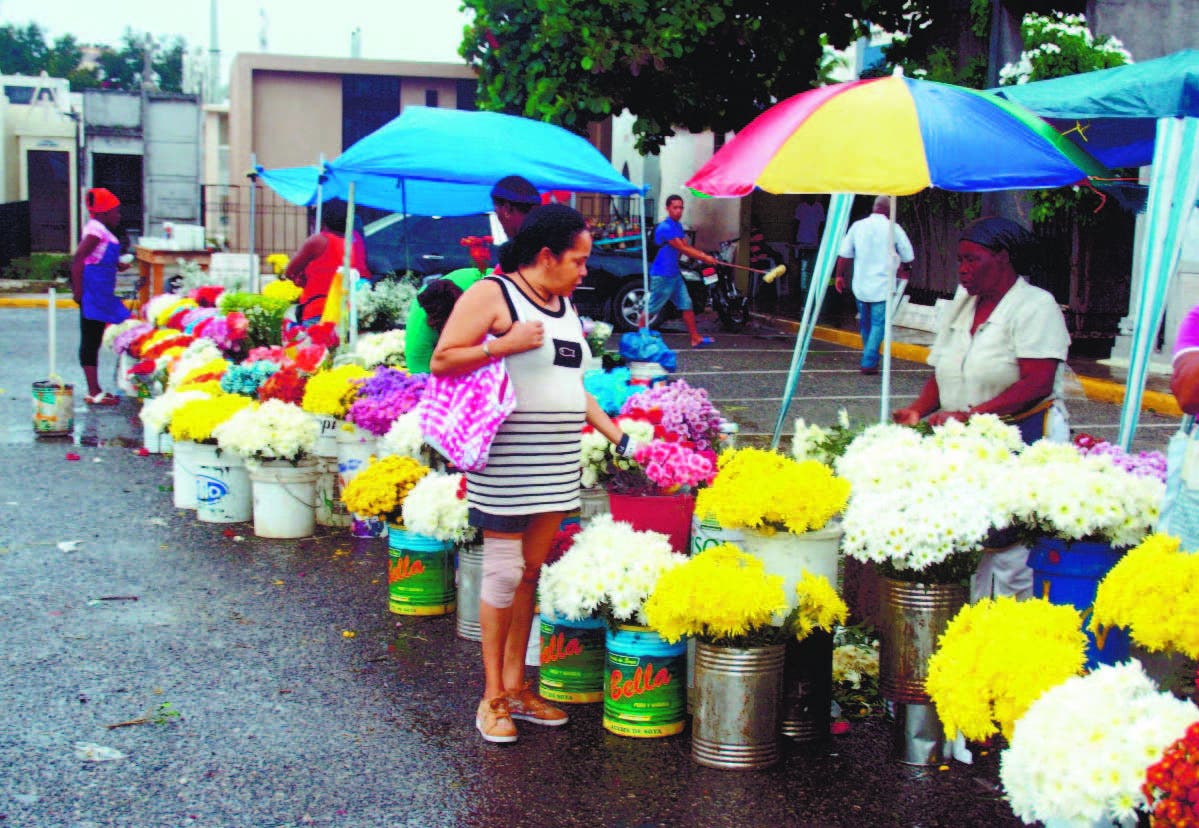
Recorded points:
(884,403)
(52,332)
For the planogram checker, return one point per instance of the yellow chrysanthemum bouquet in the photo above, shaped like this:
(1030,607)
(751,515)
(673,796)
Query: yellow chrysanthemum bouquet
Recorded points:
(333,391)
(281,288)
(1154,592)
(721,596)
(997,657)
(819,607)
(195,419)
(769,492)
(379,490)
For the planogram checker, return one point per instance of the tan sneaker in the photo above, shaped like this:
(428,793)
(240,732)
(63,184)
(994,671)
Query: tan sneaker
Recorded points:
(494,721)
(526,705)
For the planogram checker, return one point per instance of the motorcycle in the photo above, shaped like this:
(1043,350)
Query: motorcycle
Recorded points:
(707,286)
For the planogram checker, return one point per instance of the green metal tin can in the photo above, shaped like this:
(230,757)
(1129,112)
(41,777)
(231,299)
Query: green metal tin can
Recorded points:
(420,574)
(646,684)
(572,660)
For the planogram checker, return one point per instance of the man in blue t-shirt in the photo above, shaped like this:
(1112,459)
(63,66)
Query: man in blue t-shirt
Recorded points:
(666,281)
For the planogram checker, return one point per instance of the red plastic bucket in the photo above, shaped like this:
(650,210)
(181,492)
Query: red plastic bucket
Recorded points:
(668,514)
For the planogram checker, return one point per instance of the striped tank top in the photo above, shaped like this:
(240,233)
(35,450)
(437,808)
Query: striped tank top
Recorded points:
(533,465)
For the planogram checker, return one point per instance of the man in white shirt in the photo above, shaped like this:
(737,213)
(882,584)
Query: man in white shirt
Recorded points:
(866,252)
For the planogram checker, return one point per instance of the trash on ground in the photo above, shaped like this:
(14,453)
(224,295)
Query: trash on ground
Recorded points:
(91,752)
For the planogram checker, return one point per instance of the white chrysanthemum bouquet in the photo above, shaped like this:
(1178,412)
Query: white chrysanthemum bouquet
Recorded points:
(917,503)
(1053,490)
(274,430)
(1078,756)
(404,438)
(610,570)
(598,456)
(436,507)
(386,348)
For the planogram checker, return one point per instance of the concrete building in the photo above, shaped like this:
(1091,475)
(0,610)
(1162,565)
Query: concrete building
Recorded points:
(39,148)
(145,147)
(288,110)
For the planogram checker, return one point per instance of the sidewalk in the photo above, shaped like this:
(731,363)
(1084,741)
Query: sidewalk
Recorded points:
(1101,383)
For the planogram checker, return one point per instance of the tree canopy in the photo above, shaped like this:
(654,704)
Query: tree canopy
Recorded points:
(25,50)
(698,64)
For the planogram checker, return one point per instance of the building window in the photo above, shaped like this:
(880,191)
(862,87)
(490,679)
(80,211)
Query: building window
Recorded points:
(465,94)
(367,103)
(430,97)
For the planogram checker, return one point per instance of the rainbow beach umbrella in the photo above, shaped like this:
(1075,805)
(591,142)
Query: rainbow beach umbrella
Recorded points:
(893,136)
(887,136)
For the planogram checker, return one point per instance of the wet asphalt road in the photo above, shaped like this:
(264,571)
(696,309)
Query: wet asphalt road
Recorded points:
(283,720)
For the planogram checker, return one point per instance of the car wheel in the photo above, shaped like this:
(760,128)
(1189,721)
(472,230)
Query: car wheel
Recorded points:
(627,304)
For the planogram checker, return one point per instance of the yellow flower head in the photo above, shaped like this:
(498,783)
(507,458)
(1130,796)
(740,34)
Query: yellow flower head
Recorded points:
(195,419)
(820,607)
(379,489)
(765,490)
(278,263)
(212,387)
(282,289)
(721,595)
(333,391)
(996,657)
(1154,591)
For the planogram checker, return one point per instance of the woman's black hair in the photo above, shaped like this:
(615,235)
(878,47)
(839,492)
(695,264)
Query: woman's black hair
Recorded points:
(333,215)
(552,226)
(437,300)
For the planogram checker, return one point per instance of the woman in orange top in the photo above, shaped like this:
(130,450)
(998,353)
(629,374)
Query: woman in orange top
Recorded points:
(320,256)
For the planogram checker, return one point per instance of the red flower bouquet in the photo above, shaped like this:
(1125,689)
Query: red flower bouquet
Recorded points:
(286,384)
(1172,784)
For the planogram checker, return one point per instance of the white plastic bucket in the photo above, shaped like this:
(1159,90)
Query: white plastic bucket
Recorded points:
(330,511)
(284,497)
(326,441)
(223,493)
(154,441)
(53,409)
(183,474)
(646,373)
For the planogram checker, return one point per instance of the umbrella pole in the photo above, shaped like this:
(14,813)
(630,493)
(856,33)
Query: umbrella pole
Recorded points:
(839,207)
(320,182)
(884,402)
(348,279)
(644,266)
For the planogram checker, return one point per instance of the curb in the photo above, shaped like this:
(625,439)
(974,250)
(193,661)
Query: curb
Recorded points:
(35,302)
(1097,390)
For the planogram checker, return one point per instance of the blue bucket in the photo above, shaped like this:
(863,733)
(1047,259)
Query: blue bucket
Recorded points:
(1069,573)
(646,692)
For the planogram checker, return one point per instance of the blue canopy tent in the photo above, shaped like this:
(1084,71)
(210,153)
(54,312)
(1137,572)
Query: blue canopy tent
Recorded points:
(436,161)
(1143,113)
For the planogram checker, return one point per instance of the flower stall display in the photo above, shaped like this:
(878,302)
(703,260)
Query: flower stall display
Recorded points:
(808,666)
(383,397)
(1153,592)
(1079,755)
(384,306)
(1082,512)
(420,572)
(273,430)
(996,657)
(683,412)
(331,392)
(245,379)
(263,315)
(276,440)
(1172,783)
(404,438)
(727,601)
(783,508)
(379,489)
(385,348)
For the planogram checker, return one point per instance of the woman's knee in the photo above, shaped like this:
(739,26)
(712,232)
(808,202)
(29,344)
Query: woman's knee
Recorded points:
(503,570)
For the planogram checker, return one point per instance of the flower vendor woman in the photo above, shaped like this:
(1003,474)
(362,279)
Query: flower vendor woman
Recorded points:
(1000,350)
(93,284)
(320,256)
(532,476)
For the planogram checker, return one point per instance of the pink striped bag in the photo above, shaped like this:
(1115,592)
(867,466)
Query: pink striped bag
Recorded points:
(460,415)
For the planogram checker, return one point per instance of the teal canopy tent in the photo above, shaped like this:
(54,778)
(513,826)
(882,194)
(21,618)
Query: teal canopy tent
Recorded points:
(1143,113)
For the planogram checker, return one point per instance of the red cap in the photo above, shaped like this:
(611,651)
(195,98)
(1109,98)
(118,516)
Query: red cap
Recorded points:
(100,200)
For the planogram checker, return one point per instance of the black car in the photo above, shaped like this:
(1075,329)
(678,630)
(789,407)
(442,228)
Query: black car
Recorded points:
(429,245)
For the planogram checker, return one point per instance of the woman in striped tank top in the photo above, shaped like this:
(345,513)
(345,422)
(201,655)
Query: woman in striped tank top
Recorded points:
(532,475)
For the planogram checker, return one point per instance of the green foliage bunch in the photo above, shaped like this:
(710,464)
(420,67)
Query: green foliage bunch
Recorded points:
(698,64)
(25,50)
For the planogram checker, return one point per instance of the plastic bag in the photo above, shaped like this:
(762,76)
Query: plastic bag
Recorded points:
(645,345)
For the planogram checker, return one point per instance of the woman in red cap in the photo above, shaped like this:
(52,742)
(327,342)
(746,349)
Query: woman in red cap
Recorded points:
(93,283)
